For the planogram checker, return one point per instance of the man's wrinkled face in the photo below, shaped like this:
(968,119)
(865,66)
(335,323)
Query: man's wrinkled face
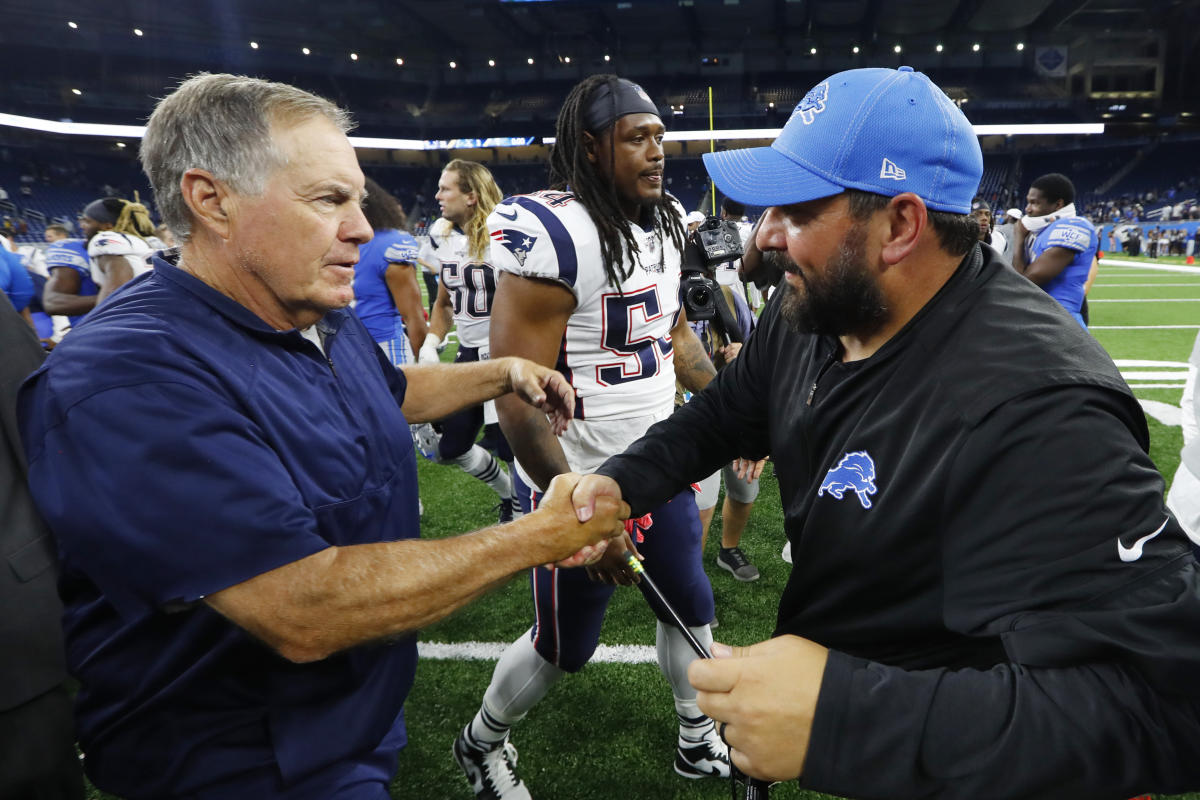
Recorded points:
(299,239)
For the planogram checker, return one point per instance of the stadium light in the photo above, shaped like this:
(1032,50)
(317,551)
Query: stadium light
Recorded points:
(854,49)
(975,47)
(607,57)
(812,51)
(76,92)
(896,49)
(306,51)
(138,131)
(254,45)
(399,62)
(120,145)
(354,56)
(453,65)
(72,26)
(491,62)
(567,60)
(529,61)
(138,32)
(1020,46)
(939,48)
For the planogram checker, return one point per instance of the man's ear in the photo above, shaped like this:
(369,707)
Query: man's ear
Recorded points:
(208,199)
(906,217)
(590,145)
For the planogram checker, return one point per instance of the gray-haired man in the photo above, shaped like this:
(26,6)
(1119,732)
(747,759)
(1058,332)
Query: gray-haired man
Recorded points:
(240,569)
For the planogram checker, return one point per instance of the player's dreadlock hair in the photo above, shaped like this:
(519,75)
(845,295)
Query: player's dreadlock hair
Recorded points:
(129,216)
(475,177)
(571,171)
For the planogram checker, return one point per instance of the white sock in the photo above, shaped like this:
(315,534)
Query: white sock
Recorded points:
(520,680)
(478,463)
(674,655)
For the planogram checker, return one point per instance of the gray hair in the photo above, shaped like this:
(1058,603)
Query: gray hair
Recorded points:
(222,124)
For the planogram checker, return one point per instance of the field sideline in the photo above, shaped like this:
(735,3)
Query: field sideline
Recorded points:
(609,731)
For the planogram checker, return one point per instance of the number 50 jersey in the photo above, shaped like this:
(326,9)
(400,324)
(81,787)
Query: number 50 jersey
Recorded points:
(616,351)
(470,283)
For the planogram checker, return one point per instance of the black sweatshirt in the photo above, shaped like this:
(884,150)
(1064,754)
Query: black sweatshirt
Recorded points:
(979,537)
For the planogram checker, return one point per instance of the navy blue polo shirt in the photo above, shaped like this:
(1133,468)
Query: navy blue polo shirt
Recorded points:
(178,445)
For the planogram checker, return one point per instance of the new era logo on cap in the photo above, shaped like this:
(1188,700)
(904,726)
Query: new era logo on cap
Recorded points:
(891,171)
(884,131)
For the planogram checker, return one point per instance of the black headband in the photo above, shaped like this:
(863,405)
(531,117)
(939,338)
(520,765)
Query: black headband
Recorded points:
(100,212)
(611,101)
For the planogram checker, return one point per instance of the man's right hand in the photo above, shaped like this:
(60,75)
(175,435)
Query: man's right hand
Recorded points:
(579,540)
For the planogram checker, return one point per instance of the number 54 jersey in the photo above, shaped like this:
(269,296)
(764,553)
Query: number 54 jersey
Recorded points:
(616,351)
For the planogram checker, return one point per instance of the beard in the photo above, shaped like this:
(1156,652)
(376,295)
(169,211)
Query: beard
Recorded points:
(844,299)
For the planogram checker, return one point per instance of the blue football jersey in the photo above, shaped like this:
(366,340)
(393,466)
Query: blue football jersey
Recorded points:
(1075,234)
(72,253)
(373,301)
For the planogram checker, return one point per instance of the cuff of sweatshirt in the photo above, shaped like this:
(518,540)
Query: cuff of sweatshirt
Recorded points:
(830,719)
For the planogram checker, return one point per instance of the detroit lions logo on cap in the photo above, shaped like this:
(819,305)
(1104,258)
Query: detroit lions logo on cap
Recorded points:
(855,472)
(813,103)
(517,243)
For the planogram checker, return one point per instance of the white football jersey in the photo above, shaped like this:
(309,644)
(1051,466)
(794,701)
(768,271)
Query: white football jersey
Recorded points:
(617,349)
(135,249)
(471,283)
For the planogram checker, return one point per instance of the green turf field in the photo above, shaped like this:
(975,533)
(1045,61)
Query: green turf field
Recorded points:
(609,731)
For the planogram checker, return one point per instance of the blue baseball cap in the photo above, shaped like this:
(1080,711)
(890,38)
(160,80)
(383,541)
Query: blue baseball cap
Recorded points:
(886,131)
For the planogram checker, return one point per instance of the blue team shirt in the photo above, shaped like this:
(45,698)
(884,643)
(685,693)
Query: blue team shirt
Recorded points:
(178,445)
(14,279)
(372,301)
(1078,235)
(72,253)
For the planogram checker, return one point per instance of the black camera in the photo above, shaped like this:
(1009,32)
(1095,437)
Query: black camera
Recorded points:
(714,242)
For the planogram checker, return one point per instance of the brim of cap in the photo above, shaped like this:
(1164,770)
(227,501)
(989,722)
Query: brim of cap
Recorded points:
(762,176)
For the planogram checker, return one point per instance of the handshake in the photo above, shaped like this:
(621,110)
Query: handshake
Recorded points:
(585,513)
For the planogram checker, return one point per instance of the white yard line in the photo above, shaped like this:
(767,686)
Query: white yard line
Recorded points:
(1165,413)
(1149,300)
(491,651)
(1099,285)
(1143,327)
(1104,262)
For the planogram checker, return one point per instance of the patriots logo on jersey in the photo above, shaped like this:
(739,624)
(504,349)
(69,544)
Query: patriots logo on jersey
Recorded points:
(856,473)
(102,240)
(813,103)
(517,242)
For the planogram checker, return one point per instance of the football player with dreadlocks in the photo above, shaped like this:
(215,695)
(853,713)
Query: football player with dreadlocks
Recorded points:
(120,237)
(589,280)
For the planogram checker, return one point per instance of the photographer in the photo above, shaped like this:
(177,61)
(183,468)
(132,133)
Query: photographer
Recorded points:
(989,598)
(722,321)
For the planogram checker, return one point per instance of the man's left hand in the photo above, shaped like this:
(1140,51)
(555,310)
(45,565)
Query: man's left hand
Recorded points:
(544,389)
(748,470)
(763,698)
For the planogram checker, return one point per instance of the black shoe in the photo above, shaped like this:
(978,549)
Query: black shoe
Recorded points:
(505,507)
(734,561)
